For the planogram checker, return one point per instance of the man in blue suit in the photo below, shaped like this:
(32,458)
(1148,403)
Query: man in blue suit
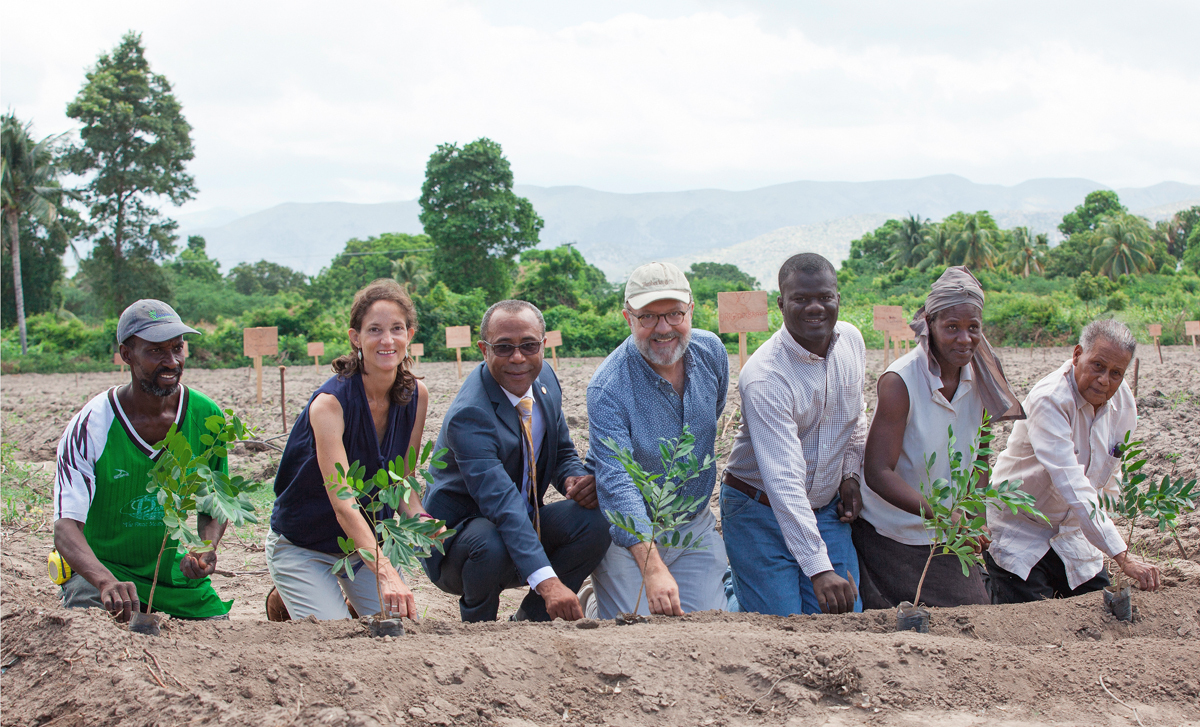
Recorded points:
(508,440)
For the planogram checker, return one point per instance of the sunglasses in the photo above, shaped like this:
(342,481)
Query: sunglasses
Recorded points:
(504,350)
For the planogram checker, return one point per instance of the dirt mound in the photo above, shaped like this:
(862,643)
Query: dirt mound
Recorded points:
(1013,665)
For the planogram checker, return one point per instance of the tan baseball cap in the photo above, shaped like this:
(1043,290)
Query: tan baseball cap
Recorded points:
(656,281)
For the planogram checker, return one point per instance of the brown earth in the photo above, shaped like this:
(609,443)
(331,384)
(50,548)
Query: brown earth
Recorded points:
(1009,665)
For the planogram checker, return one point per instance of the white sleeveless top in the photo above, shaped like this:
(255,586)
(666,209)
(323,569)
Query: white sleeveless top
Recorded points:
(925,432)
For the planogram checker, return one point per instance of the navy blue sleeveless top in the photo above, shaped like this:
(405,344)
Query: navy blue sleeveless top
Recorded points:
(302,512)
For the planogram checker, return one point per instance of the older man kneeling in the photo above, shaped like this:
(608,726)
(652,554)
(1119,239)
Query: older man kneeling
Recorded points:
(1066,454)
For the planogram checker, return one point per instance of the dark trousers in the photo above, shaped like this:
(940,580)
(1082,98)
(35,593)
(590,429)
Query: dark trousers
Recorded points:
(1047,579)
(477,566)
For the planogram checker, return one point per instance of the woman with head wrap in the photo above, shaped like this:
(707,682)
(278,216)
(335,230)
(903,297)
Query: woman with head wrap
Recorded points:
(948,380)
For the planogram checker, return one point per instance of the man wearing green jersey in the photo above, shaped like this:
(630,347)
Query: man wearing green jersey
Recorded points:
(106,525)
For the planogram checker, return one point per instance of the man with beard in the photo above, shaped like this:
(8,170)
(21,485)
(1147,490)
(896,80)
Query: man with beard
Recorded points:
(107,528)
(663,378)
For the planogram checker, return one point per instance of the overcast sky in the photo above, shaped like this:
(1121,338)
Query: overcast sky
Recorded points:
(305,101)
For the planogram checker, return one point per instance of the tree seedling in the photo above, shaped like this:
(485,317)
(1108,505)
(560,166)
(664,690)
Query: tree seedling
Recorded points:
(666,507)
(185,482)
(400,538)
(1164,501)
(958,511)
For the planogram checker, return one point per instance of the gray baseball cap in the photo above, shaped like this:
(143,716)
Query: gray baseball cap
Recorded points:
(656,281)
(152,320)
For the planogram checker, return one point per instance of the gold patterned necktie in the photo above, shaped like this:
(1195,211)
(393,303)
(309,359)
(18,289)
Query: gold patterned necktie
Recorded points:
(525,409)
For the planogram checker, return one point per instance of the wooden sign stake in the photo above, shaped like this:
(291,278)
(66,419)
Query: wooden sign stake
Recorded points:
(888,318)
(416,350)
(316,349)
(1156,331)
(282,398)
(256,343)
(1135,374)
(553,341)
(742,312)
(458,338)
(1192,328)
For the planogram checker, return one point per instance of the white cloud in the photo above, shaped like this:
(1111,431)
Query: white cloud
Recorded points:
(298,102)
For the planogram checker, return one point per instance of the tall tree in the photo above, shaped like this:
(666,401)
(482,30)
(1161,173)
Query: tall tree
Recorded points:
(135,143)
(1124,247)
(906,242)
(1087,216)
(476,221)
(194,263)
(28,175)
(1026,253)
(976,242)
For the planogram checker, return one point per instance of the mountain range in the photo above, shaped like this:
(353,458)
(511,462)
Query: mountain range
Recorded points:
(756,229)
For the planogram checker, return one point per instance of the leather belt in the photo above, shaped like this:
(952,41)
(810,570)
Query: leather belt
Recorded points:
(748,490)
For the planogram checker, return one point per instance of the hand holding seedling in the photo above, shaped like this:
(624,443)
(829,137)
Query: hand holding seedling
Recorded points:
(402,537)
(1144,574)
(666,511)
(957,505)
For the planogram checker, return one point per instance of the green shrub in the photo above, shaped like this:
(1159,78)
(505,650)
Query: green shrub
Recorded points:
(1117,301)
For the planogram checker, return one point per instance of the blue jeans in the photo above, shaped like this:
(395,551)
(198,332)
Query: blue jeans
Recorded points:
(766,578)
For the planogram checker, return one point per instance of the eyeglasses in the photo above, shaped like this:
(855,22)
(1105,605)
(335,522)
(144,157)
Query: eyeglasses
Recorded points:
(650,320)
(504,350)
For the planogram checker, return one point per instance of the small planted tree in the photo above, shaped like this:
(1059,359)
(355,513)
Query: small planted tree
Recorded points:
(667,509)
(959,503)
(400,538)
(185,483)
(1164,501)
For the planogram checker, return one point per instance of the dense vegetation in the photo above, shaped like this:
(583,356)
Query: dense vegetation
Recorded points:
(480,247)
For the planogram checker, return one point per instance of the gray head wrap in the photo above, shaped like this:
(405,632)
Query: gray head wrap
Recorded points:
(957,286)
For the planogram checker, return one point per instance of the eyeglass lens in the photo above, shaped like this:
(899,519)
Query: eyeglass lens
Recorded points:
(504,350)
(650,320)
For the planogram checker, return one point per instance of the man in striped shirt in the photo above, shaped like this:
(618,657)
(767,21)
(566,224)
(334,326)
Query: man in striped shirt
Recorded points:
(792,483)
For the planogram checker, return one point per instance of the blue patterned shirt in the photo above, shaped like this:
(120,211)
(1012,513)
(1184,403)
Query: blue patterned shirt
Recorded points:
(633,405)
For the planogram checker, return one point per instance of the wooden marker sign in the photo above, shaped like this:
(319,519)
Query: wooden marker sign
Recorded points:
(416,350)
(259,342)
(903,334)
(1192,328)
(553,341)
(458,338)
(316,349)
(888,318)
(117,360)
(1156,331)
(742,312)
(186,353)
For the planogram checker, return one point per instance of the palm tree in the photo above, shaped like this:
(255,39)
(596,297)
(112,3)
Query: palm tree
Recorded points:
(28,174)
(976,246)
(409,272)
(906,242)
(1026,254)
(938,246)
(1124,247)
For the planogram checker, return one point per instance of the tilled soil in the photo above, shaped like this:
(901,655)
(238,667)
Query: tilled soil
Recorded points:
(1013,665)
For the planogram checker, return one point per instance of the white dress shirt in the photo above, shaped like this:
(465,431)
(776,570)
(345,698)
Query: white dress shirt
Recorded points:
(538,425)
(1064,454)
(804,429)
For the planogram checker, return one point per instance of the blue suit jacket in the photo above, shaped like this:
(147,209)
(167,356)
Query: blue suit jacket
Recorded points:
(482,432)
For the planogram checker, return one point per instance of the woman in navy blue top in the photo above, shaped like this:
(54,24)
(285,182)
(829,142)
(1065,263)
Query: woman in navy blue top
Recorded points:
(371,412)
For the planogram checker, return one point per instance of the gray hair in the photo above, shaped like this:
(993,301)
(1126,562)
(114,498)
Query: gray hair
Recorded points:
(509,306)
(1111,330)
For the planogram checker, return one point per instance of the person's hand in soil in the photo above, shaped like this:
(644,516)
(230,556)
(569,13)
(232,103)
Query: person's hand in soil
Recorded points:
(199,565)
(582,489)
(662,592)
(834,593)
(560,601)
(120,598)
(398,600)
(851,500)
(1146,575)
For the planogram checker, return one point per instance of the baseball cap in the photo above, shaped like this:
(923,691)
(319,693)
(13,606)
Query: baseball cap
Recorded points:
(152,320)
(656,281)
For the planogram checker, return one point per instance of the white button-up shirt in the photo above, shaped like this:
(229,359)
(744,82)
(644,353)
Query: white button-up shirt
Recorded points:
(1065,455)
(804,429)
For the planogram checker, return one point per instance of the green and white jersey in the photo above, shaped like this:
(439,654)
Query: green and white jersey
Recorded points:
(102,471)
